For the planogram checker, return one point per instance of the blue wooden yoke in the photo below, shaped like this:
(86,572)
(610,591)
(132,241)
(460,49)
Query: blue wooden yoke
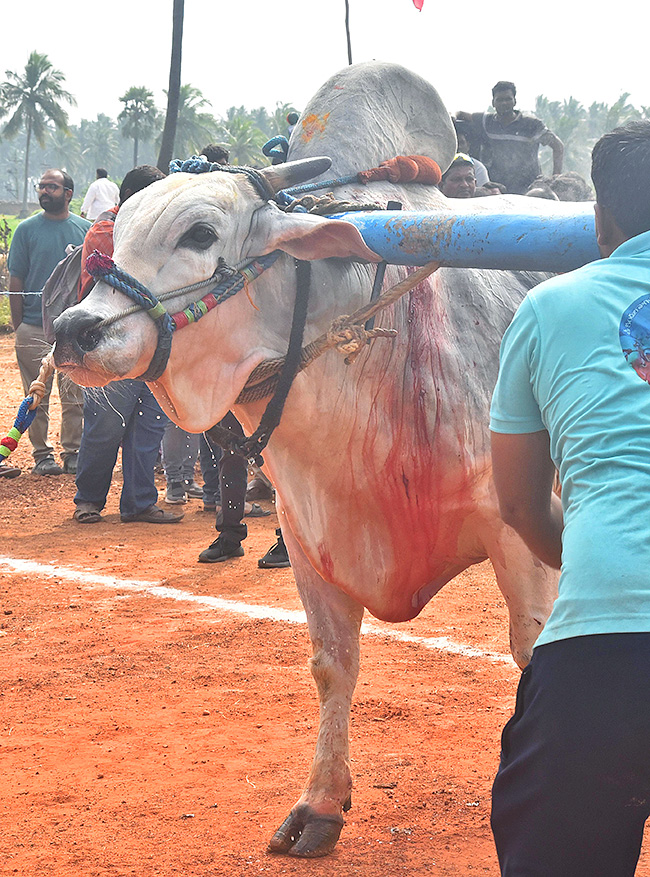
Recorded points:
(557,240)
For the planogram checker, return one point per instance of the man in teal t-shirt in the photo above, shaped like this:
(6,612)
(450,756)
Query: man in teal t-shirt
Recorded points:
(572,793)
(38,244)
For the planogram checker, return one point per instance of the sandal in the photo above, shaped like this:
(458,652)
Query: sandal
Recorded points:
(256,511)
(87,514)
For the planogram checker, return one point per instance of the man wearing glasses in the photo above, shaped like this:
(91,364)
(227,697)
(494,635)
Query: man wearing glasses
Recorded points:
(38,244)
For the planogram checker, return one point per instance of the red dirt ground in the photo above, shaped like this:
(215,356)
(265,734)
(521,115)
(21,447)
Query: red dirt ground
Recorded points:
(143,734)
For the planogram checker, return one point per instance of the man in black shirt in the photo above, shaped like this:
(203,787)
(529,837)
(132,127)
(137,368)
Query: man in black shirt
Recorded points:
(509,141)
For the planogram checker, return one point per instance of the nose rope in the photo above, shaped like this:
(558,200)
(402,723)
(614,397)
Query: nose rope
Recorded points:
(229,282)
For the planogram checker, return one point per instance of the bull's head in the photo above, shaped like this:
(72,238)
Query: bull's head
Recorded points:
(176,233)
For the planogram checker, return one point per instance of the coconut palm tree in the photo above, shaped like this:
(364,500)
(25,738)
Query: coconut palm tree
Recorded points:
(32,99)
(139,117)
(98,140)
(242,137)
(63,150)
(173,94)
(194,128)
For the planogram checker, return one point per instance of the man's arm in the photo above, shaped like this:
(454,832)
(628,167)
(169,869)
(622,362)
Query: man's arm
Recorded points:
(523,474)
(16,284)
(557,147)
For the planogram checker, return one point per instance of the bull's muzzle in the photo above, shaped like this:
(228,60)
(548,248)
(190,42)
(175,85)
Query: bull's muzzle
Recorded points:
(77,333)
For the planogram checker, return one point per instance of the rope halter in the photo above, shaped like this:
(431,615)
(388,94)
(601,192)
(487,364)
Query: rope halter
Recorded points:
(225,282)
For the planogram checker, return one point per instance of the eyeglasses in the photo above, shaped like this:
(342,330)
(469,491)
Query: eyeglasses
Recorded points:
(50,187)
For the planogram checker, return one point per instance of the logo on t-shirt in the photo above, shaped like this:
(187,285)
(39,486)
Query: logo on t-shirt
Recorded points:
(634,332)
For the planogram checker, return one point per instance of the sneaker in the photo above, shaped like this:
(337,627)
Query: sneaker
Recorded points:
(7,471)
(176,493)
(70,465)
(193,490)
(276,557)
(220,550)
(47,466)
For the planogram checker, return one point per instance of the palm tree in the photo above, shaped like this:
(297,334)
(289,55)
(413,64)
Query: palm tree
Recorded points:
(193,128)
(243,139)
(62,150)
(173,95)
(279,124)
(34,99)
(567,119)
(99,146)
(139,116)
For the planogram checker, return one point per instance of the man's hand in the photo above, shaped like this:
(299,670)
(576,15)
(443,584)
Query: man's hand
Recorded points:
(16,301)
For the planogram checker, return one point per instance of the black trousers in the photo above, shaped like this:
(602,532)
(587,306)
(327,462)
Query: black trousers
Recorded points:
(572,792)
(233,477)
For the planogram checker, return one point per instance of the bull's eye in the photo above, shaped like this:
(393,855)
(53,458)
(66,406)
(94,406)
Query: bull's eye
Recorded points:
(199,237)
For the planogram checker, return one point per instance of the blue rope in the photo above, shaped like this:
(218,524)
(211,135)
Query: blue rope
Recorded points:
(142,297)
(198,164)
(25,417)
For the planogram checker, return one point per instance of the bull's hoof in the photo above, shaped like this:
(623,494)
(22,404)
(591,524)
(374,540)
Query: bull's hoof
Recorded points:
(306,834)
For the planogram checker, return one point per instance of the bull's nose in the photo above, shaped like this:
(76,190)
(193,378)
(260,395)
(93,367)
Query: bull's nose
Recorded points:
(77,333)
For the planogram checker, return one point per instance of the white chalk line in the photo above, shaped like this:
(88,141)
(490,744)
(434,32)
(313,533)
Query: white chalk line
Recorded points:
(237,607)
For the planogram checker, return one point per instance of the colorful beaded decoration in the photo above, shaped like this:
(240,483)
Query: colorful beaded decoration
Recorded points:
(23,421)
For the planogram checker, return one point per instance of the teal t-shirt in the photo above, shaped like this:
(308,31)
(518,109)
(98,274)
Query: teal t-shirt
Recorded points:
(37,246)
(564,369)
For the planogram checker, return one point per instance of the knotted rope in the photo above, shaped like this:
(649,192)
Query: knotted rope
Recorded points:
(346,333)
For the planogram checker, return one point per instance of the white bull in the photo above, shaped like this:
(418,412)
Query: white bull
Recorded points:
(382,467)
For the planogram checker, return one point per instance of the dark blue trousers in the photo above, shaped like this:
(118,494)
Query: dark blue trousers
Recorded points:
(122,413)
(572,792)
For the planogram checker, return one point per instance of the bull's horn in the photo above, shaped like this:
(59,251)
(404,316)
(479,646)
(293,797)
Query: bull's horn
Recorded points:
(283,176)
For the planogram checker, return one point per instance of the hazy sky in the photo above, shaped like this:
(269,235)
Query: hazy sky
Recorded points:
(260,53)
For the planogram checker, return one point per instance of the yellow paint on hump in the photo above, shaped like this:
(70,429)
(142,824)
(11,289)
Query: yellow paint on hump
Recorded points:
(312,125)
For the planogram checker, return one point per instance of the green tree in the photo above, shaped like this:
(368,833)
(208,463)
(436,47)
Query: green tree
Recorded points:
(32,99)
(278,121)
(99,146)
(567,119)
(173,94)
(242,137)
(63,150)
(139,117)
(194,128)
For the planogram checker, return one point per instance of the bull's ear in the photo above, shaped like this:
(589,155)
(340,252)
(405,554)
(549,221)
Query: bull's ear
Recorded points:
(306,236)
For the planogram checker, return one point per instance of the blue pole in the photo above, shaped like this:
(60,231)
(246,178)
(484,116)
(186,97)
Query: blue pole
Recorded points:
(558,240)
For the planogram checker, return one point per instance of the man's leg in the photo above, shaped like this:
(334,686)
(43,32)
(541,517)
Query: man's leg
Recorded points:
(233,474)
(72,402)
(209,456)
(572,792)
(145,426)
(233,471)
(104,423)
(179,453)
(31,347)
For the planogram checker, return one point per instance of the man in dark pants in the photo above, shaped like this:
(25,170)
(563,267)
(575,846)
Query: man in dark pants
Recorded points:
(572,793)
(124,413)
(229,491)
(233,473)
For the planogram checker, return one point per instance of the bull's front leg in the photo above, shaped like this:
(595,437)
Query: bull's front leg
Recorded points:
(314,824)
(529,587)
